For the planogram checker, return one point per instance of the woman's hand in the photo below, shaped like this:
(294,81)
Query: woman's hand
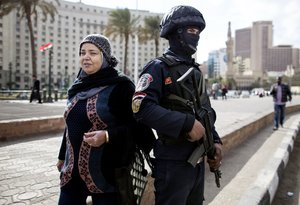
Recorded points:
(60,164)
(95,138)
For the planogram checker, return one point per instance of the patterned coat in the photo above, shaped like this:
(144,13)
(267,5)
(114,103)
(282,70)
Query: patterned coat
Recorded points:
(110,109)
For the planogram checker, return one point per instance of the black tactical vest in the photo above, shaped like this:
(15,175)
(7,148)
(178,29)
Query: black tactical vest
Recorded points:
(179,99)
(175,97)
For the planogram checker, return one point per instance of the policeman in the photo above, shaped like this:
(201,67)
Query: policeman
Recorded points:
(162,104)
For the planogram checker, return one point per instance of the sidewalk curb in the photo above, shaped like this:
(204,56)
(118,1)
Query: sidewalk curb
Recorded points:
(263,190)
(237,136)
(20,128)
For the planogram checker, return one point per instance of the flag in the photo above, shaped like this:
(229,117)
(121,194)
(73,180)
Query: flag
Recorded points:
(46,46)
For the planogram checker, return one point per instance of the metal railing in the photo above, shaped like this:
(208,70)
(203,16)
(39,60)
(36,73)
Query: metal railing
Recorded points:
(25,95)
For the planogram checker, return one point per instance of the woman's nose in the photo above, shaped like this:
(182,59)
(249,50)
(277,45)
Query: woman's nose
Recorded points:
(86,56)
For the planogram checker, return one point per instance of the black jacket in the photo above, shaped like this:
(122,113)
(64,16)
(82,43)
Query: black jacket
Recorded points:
(154,84)
(286,94)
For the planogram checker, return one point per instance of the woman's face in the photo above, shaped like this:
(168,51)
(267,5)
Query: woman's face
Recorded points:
(90,58)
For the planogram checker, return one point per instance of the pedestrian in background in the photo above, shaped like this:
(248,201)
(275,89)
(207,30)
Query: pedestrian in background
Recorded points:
(215,89)
(224,92)
(160,103)
(35,90)
(281,94)
(98,138)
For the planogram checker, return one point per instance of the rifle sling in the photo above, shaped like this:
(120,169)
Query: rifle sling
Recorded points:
(176,97)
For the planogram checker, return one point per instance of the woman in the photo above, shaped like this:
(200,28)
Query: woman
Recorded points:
(99,124)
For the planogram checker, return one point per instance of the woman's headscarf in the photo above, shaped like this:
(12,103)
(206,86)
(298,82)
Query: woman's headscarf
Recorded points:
(87,85)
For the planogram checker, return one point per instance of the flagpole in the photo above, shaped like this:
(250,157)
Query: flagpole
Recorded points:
(48,46)
(49,84)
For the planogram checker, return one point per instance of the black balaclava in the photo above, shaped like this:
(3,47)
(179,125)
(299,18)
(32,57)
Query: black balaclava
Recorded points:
(183,43)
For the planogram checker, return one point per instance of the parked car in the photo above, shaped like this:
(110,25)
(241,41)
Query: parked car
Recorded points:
(232,94)
(245,94)
(258,91)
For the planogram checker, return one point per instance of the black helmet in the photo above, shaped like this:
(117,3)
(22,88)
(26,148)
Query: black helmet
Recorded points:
(181,16)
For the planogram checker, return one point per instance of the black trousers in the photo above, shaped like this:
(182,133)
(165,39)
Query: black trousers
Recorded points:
(178,183)
(35,95)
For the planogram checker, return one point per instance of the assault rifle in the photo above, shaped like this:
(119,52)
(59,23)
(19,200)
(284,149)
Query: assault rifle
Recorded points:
(206,145)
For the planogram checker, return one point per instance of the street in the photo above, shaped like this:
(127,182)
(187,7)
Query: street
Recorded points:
(289,188)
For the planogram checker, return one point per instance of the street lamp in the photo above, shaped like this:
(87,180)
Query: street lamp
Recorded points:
(136,52)
(10,76)
(66,79)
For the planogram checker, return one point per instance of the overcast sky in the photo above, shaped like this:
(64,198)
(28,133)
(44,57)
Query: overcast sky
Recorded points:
(285,15)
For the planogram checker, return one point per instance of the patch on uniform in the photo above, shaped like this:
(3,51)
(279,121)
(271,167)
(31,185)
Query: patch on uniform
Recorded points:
(168,80)
(144,82)
(137,101)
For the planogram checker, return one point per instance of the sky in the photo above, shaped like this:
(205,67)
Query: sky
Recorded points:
(284,14)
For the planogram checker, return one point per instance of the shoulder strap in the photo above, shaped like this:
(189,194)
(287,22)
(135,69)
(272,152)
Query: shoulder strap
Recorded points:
(169,60)
(178,98)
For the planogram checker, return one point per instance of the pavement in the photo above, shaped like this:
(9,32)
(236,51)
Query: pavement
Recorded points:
(22,109)
(28,173)
(252,170)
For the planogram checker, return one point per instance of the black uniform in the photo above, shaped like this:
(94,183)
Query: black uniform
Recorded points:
(172,122)
(161,103)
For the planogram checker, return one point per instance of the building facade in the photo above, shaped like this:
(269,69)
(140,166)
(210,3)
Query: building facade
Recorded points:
(216,64)
(255,44)
(281,56)
(65,32)
(243,43)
